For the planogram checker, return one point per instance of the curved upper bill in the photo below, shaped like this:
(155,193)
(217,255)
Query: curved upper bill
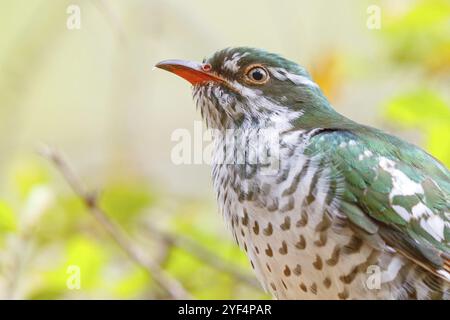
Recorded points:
(189,70)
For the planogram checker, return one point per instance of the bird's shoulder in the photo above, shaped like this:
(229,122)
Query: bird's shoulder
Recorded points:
(392,190)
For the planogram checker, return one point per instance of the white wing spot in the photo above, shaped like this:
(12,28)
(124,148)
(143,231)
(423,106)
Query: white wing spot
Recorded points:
(432,223)
(434,226)
(365,154)
(392,270)
(421,211)
(368,153)
(402,212)
(402,184)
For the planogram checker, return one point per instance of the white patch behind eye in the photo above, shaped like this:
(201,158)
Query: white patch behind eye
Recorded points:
(247,92)
(282,74)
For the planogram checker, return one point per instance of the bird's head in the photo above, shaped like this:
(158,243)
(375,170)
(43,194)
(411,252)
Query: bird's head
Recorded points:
(239,87)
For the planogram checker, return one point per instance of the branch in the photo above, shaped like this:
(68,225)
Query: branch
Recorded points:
(164,281)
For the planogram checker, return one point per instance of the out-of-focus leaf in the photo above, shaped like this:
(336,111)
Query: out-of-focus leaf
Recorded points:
(427,110)
(88,256)
(421,34)
(27,173)
(67,215)
(201,280)
(124,200)
(132,284)
(8,220)
(193,222)
(327,72)
(439,142)
(40,199)
(418,107)
(83,253)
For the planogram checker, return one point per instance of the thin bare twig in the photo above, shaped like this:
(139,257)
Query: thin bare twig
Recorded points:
(164,281)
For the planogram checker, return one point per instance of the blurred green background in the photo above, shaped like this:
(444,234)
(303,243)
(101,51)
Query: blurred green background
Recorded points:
(91,93)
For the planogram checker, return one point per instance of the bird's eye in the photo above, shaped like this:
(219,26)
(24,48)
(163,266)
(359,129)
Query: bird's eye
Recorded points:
(257,74)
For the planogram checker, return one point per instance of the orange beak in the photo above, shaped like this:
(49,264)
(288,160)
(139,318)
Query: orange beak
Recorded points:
(193,72)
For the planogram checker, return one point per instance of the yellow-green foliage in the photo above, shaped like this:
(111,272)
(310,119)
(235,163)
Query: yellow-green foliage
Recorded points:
(90,89)
(421,36)
(428,111)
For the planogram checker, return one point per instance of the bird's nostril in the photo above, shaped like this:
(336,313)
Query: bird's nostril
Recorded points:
(206,67)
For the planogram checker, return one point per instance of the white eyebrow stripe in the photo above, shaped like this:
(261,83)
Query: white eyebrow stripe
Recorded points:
(282,74)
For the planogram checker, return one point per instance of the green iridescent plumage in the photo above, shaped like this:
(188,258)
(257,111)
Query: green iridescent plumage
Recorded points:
(371,201)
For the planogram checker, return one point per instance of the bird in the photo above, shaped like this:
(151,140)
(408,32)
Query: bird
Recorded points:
(340,210)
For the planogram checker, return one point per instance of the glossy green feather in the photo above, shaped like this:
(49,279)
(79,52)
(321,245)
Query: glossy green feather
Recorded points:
(366,200)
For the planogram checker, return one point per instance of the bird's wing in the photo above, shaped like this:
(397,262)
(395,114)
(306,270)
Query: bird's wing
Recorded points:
(393,191)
